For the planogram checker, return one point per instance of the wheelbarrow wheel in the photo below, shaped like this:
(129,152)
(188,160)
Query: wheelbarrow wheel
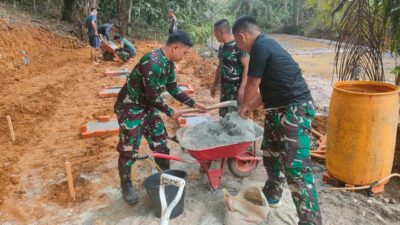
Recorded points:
(108,56)
(242,168)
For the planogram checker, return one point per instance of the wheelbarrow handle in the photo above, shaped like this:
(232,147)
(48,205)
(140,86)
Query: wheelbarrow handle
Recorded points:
(165,156)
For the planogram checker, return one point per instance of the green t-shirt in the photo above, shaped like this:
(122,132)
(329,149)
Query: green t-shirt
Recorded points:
(128,46)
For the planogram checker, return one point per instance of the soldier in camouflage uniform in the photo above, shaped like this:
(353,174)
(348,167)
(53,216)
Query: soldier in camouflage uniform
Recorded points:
(139,103)
(289,111)
(232,67)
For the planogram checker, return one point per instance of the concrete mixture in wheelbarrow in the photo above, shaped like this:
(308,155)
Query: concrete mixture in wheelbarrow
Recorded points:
(231,129)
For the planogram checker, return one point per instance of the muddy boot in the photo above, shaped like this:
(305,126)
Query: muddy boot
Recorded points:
(129,192)
(163,163)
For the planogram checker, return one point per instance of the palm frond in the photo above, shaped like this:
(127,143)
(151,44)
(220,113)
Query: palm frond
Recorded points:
(360,43)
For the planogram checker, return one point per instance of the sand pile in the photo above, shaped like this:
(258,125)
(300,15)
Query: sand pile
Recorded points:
(229,130)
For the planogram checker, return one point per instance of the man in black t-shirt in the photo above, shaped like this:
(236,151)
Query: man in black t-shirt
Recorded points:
(106,29)
(289,112)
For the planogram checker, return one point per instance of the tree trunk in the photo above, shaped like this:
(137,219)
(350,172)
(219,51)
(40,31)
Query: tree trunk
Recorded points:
(129,17)
(34,6)
(67,10)
(122,17)
(75,11)
(92,3)
(295,15)
(130,12)
(397,81)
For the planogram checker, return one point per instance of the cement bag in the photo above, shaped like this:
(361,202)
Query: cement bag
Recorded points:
(248,207)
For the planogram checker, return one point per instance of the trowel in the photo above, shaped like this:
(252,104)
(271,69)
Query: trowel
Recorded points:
(232,103)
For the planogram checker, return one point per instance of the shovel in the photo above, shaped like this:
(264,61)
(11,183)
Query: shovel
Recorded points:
(166,210)
(232,103)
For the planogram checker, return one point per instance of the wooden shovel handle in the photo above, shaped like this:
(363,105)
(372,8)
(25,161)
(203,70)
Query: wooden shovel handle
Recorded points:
(211,107)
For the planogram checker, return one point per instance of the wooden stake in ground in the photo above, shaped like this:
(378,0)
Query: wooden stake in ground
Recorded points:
(252,118)
(70,180)
(10,126)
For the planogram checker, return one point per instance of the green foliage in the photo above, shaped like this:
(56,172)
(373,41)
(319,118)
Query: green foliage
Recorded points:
(107,11)
(320,23)
(304,17)
(266,11)
(149,17)
(396,70)
(199,34)
(390,11)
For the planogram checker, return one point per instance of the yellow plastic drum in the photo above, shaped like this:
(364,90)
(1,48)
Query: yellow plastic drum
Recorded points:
(362,126)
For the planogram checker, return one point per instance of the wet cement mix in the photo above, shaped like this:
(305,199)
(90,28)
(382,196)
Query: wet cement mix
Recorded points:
(231,129)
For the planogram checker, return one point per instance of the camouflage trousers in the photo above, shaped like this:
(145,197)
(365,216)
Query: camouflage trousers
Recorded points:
(286,153)
(228,93)
(135,121)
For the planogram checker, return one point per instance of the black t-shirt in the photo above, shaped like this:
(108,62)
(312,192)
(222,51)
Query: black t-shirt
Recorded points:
(105,29)
(282,83)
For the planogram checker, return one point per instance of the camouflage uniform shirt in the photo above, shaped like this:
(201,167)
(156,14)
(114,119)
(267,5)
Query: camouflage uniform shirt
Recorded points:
(153,75)
(230,73)
(231,69)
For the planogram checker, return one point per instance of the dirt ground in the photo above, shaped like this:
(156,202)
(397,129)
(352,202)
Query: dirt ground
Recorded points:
(50,88)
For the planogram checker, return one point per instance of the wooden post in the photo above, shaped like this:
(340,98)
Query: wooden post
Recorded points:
(204,65)
(11,128)
(255,143)
(70,180)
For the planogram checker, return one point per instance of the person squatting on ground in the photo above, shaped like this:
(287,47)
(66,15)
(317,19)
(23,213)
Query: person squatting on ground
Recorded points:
(289,111)
(91,24)
(173,21)
(106,30)
(232,67)
(139,103)
(126,50)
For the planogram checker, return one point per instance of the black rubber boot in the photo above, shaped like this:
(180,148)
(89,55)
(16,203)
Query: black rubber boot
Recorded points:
(129,192)
(163,163)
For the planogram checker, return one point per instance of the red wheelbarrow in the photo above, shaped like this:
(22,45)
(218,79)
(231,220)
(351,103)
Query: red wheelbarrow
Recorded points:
(241,159)
(108,49)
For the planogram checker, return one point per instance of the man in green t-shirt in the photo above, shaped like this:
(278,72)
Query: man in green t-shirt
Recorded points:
(126,50)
